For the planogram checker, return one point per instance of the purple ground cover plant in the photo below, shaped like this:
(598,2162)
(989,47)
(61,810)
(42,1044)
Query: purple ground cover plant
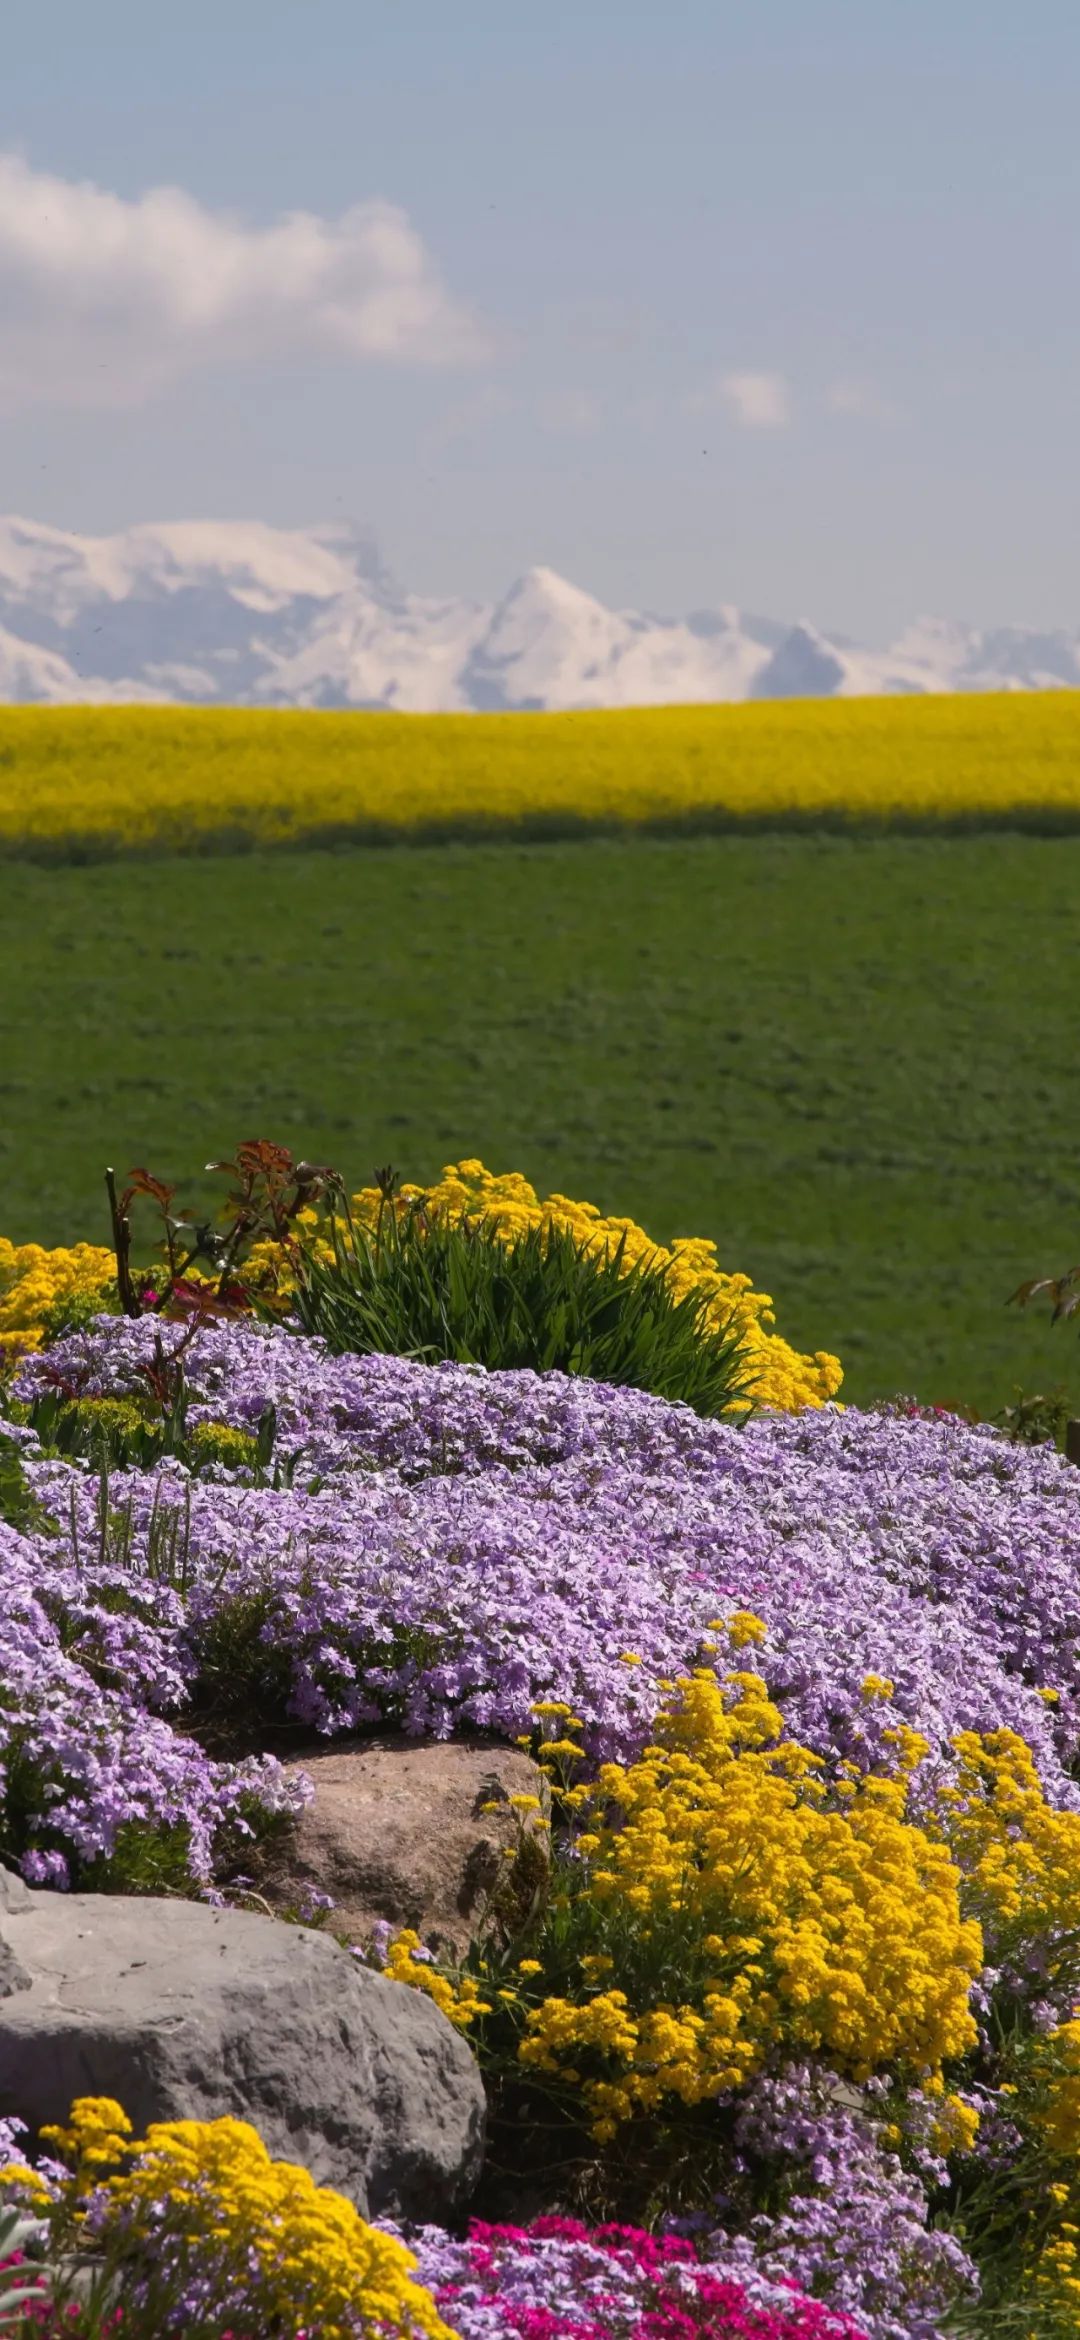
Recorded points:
(853,2227)
(90,1774)
(459,1543)
(455,1544)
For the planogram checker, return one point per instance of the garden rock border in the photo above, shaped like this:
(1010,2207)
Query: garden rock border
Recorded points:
(183,2012)
(411,1832)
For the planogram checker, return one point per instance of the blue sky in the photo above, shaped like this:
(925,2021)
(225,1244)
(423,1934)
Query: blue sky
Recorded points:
(772,303)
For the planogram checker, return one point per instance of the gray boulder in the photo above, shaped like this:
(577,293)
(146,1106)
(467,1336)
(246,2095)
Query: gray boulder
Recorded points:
(185,2012)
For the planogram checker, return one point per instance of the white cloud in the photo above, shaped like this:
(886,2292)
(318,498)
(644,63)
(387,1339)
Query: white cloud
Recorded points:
(105,300)
(568,413)
(759,402)
(861,399)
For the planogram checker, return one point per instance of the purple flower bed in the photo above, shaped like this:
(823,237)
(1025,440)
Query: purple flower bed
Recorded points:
(87,1762)
(854,2227)
(478,1541)
(457,1544)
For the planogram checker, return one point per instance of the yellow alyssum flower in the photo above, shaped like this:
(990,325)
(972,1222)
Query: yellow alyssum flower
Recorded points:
(795,1914)
(96,2136)
(303,2256)
(955,2125)
(743,1628)
(825,1930)
(1059,2114)
(1020,1856)
(461,2003)
(1055,2284)
(33,1280)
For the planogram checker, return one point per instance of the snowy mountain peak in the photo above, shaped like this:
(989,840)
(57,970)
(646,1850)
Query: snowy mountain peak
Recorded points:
(804,666)
(543,589)
(244,557)
(240,612)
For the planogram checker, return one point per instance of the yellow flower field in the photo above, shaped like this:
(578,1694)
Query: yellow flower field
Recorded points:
(103,780)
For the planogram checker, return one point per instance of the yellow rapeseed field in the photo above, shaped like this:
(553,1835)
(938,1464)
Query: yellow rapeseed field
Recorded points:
(101,780)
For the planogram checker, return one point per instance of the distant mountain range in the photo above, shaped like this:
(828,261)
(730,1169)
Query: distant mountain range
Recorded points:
(235,612)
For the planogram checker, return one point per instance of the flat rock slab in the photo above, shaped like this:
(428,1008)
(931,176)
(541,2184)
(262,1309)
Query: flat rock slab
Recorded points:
(185,2012)
(402,1830)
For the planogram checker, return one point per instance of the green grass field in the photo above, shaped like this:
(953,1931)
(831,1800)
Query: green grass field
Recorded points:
(852,1061)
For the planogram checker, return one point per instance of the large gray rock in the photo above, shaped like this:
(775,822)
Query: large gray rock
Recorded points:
(414,1832)
(185,2012)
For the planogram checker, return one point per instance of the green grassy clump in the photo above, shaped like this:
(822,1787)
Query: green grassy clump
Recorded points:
(417,1285)
(851,1061)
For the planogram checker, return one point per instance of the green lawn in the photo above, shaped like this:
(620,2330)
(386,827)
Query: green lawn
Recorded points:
(853,1062)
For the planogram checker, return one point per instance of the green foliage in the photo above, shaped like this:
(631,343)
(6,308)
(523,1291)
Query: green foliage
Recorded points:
(244,1683)
(135,1433)
(420,1286)
(850,1061)
(144,1858)
(1036,1418)
(23,2280)
(99,1430)
(19,1507)
(20,2233)
(244,1676)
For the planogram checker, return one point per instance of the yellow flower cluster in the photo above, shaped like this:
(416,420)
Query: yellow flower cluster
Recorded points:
(302,2256)
(134,778)
(97,2136)
(835,1929)
(1056,2286)
(408,1962)
(1060,2118)
(219,1442)
(955,2126)
(1053,2283)
(782,1377)
(33,1280)
(1019,1855)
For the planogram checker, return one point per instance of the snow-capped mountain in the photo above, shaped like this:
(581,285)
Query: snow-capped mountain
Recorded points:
(237,612)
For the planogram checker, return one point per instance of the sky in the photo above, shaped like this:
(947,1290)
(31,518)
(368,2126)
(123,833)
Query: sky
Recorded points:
(695,302)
